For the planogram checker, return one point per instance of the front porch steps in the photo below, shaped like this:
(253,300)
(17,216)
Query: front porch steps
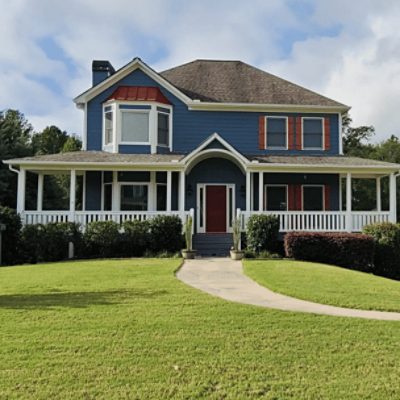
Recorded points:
(212,244)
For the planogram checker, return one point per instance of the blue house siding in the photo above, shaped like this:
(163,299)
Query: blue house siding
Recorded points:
(190,128)
(93,190)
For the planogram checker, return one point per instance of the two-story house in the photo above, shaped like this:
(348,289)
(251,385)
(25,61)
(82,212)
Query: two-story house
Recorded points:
(217,139)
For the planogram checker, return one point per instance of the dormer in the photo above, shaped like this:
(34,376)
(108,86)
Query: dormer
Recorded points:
(137,116)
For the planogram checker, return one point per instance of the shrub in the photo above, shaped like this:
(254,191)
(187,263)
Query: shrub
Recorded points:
(349,250)
(387,248)
(50,242)
(262,233)
(135,238)
(102,239)
(166,233)
(11,237)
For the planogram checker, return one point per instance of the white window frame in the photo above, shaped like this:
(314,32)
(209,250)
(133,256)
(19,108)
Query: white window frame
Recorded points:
(169,129)
(302,196)
(266,132)
(323,133)
(135,111)
(266,186)
(110,147)
(120,184)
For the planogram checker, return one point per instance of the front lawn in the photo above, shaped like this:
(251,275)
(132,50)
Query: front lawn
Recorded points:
(128,329)
(326,284)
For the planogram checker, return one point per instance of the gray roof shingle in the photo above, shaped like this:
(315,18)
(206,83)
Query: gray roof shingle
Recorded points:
(238,82)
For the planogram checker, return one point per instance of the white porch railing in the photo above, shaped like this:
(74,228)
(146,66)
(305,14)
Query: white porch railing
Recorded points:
(85,217)
(319,221)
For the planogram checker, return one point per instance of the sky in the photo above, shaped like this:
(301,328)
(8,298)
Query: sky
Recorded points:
(346,50)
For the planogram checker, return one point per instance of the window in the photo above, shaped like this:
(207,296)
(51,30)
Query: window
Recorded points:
(313,198)
(276,197)
(312,133)
(135,127)
(163,129)
(134,197)
(107,197)
(277,132)
(108,127)
(161,197)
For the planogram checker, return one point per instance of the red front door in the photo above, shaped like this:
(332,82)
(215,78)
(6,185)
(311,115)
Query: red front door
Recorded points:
(216,208)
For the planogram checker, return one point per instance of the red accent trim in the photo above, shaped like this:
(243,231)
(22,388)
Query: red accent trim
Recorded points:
(294,198)
(327,197)
(299,134)
(327,131)
(291,133)
(139,93)
(261,132)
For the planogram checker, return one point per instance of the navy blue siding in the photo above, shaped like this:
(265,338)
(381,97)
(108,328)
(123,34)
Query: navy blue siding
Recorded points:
(93,190)
(190,128)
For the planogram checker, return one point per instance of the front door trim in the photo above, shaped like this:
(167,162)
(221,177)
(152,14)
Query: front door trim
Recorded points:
(201,209)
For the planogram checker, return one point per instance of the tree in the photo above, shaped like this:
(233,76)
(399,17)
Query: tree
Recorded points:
(50,141)
(72,144)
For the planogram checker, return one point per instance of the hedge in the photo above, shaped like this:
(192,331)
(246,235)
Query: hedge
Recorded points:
(387,248)
(11,237)
(349,250)
(262,232)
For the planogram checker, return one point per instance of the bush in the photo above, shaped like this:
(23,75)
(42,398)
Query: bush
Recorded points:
(50,242)
(262,233)
(102,239)
(11,237)
(387,248)
(135,238)
(349,250)
(166,234)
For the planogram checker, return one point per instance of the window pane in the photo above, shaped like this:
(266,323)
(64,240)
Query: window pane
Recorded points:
(276,132)
(107,197)
(163,129)
(312,132)
(134,198)
(135,127)
(161,197)
(312,198)
(276,198)
(108,127)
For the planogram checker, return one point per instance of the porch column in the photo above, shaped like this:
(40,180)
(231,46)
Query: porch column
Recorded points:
(349,222)
(169,190)
(115,193)
(39,206)
(21,190)
(153,192)
(72,195)
(248,191)
(378,195)
(261,191)
(392,198)
(182,191)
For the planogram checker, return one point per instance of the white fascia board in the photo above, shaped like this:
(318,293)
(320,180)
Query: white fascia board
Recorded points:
(135,64)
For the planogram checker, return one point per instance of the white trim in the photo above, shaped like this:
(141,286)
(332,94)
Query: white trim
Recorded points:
(169,146)
(84,133)
(340,123)
(110,147)
(84,191)
(200,187)
(266,186)
(322,119)
(169,190)
(39,203)
(115,198)
(302,195)
(248,191)
(21,189)
(378,195)
(261,194)
(340,193)
(266,132)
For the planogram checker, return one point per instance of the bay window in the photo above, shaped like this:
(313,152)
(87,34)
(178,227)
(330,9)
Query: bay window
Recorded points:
(163,129)
(135,127)
(108,126)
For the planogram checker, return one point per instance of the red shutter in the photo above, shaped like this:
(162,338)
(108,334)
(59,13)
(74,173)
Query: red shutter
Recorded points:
(291,133)
(261,132)
(294,198)
(298,134)
(327,197)
(327,133)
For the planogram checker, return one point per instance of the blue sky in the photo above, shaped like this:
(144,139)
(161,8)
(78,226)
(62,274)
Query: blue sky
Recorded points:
(349,51)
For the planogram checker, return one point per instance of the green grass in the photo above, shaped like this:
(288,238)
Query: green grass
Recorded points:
(326,284)
(128,329)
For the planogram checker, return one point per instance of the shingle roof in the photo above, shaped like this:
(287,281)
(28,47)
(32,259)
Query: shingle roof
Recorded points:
(238,82)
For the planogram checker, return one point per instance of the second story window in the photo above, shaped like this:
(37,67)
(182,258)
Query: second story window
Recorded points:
(276,133)
(135,127)
(108,127)
(313,133)
(163,129)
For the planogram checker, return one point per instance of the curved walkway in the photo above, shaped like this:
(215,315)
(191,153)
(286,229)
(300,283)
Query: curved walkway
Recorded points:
(224,278)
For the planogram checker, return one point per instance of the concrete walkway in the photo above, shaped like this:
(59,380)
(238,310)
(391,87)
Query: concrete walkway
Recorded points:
(224,278)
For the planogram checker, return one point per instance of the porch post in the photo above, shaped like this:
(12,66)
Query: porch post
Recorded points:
(21,190)
(349,224)
(261,191)
(72,195)
(153,192)
(392,198)
(182,191)
(248,191)
(39,206)
(378,195)
(115,194)
(169,190)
